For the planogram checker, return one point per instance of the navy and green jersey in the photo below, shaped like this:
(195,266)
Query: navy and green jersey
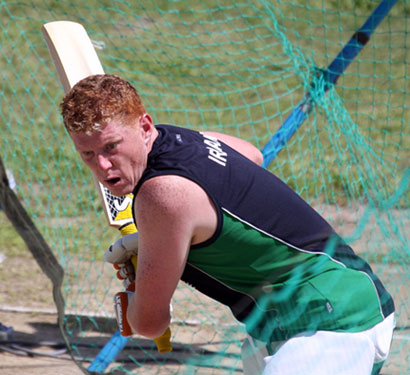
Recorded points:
(277,264)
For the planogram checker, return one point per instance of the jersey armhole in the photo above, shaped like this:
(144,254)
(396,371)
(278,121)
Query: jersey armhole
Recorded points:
(218,209)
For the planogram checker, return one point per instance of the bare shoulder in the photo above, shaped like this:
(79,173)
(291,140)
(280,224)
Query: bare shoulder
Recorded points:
(167,199)
(175,203)
(165,193)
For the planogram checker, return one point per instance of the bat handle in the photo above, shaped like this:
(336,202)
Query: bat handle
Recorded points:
(128,229)
(163,342)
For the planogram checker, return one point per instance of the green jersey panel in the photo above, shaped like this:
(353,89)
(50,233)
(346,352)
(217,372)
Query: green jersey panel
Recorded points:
(293,290)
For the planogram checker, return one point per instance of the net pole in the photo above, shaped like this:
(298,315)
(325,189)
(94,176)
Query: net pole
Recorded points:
(330,77)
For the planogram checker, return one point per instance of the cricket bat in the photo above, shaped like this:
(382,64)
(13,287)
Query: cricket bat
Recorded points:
(75,58)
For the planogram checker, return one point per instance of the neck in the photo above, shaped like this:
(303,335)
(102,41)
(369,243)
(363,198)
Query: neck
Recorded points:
(154,136)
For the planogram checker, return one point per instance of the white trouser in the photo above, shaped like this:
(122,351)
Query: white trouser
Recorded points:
(321,352)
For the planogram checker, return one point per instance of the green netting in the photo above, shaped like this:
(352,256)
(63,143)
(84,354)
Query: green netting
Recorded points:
(238,67)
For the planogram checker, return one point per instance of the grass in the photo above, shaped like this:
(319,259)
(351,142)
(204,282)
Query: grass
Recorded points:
(239,67)
(235,67)
(11,243)
(67,236)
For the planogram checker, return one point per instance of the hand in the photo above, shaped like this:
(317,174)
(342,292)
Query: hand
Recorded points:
(122,250)
(125,273)
(120,254)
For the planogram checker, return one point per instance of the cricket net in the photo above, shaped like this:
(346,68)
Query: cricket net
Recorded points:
(238,67)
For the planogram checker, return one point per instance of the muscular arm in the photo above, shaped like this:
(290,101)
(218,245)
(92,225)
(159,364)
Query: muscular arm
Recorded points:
(240,145)
(171,212)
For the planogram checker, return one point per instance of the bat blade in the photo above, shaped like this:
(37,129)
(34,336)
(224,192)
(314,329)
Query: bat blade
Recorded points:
(72,52)
(75,58)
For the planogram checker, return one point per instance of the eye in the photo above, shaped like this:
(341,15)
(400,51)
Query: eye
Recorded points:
(110,146)
(87,154)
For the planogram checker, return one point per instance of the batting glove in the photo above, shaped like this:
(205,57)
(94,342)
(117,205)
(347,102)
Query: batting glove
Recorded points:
(125,273)
(123,249)
(120,254)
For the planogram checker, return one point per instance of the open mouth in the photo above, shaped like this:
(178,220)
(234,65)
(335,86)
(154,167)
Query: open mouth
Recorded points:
(113,181)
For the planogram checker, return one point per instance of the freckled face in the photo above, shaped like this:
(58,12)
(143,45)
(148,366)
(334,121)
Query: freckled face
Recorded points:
(117,154)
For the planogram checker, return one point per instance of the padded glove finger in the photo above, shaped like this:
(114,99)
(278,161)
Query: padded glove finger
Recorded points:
(123,249)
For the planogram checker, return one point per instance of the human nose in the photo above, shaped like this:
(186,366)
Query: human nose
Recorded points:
(103,162)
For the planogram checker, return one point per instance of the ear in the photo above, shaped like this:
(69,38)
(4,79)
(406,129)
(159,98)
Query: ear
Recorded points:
(146,122)
(147,126)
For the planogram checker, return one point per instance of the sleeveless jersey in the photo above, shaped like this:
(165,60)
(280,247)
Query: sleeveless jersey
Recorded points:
(277,264)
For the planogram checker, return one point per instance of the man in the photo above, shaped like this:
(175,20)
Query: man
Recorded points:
(208,214)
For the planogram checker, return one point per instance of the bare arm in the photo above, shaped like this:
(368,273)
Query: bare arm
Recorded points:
(245,148)
(172,212)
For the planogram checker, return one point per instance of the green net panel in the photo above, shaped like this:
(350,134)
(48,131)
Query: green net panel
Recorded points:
(238,67)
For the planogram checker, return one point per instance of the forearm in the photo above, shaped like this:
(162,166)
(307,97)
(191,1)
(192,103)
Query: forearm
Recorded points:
(148,321)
